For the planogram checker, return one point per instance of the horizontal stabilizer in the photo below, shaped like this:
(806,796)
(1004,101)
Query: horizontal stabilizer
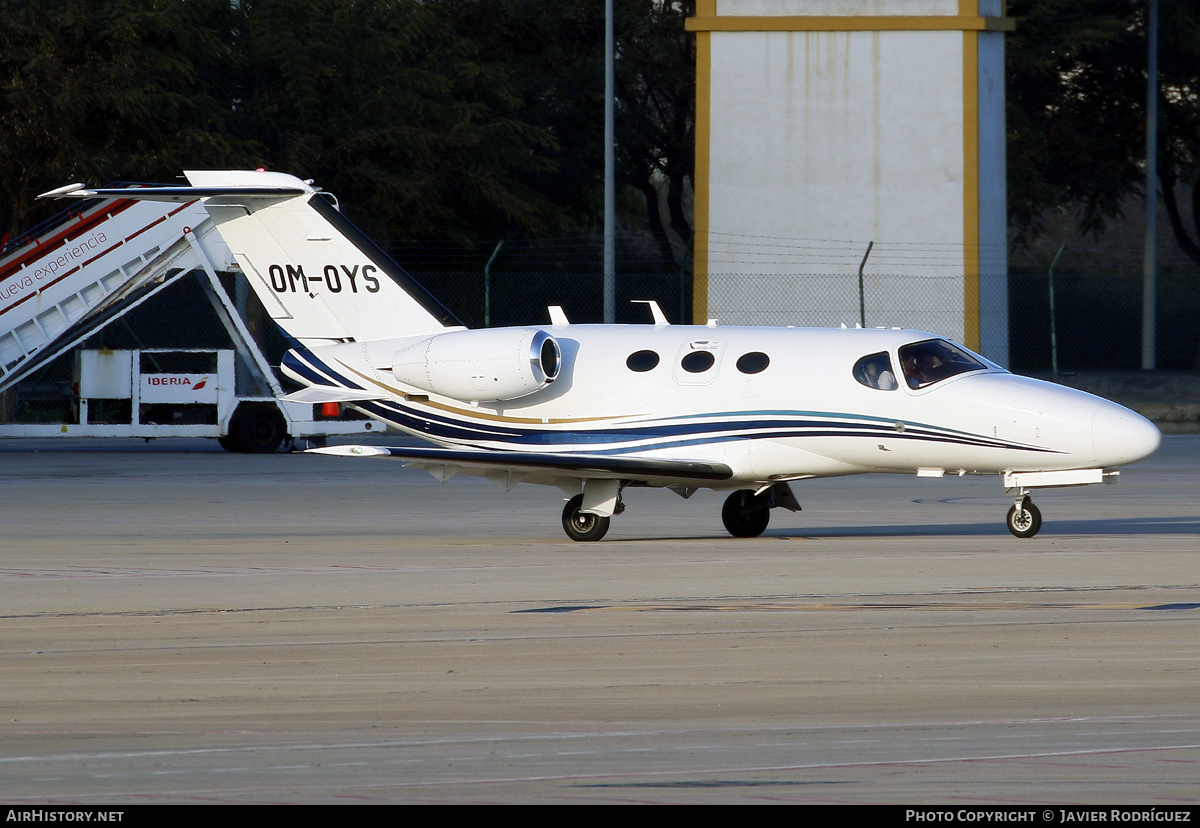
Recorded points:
(575,465)
(180,194)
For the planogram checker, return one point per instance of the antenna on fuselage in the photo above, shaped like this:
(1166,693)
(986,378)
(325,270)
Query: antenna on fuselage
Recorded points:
(655,311)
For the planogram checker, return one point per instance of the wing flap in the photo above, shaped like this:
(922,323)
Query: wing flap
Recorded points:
(575,465)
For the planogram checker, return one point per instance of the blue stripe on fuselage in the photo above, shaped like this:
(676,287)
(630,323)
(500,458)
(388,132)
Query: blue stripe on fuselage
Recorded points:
(698,429)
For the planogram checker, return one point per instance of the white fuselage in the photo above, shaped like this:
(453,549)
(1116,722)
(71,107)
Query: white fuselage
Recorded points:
(803,415)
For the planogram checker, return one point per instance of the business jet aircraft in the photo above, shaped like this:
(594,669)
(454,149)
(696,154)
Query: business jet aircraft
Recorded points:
(597,409)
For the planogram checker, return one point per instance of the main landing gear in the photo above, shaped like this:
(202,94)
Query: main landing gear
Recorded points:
(745,514)
(581,526)
(1024,519)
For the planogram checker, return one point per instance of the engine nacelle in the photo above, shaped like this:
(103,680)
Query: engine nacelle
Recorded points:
(482,365)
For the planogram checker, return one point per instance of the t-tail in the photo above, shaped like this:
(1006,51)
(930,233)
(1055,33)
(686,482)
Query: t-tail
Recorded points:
(316,274)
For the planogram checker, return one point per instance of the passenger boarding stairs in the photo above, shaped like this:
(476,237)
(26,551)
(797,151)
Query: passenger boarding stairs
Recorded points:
(67,278)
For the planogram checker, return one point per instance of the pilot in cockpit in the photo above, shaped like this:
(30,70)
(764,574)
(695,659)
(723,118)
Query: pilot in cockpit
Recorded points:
(919,368)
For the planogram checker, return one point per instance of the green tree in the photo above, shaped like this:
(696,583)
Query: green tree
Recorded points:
(1072,70)
(124,89)
(556,50)
(1179,118)
(381,101)
(390,107)
(656,90)
(1076,90)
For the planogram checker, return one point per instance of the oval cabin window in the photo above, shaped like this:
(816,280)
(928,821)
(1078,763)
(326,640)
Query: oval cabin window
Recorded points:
(697,362)
(754,362)
(642,361)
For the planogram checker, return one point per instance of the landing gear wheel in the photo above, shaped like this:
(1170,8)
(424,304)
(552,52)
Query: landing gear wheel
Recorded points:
(580,526)
(745,514)
(1024,522)
(260,429)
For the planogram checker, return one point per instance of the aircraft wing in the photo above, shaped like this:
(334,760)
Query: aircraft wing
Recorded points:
(482,462)
(317,394)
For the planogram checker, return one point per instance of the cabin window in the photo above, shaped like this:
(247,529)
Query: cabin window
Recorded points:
(697,362)
(875,371)
(932,360)
(754,362)
(642,361)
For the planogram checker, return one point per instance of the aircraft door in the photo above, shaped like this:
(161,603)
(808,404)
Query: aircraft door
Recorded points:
(698,361)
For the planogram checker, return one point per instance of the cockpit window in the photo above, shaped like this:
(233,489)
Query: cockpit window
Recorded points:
(928,362)
(875,371)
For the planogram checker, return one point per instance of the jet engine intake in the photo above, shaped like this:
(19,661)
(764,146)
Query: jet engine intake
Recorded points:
(486,365)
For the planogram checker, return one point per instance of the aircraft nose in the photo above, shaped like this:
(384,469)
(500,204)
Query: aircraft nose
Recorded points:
(1121,436)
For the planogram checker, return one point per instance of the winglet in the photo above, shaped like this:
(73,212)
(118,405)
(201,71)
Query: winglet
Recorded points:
(65,190)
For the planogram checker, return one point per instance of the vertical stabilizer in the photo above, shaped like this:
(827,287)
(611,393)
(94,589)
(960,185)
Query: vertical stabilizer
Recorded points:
(316,273)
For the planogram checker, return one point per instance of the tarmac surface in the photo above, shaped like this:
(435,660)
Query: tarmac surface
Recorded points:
(182,625)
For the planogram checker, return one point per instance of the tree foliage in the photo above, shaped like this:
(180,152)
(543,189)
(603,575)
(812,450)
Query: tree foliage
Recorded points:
(556,50)
(431,119)
(94,91)
(1179,118)
(1076,86)
(383,101)
(395,110)
(657,117)
(482,119)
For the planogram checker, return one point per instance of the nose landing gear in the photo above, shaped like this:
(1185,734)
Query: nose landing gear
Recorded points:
(1024,519)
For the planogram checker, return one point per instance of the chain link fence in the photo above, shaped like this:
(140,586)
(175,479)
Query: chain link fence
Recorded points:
(1097,323)
(922,302)
(521,298)
(1097,319)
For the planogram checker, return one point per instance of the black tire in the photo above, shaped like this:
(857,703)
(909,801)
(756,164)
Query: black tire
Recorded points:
(745,515)
(580,526)
(1026,521)
(229,442)
(260,429)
